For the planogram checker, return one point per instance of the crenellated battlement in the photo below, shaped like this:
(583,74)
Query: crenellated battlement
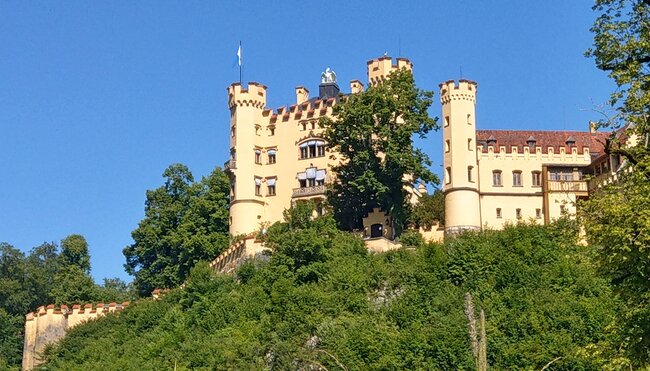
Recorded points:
(88,309)
(380,68)
(48,324)
(254,95)
(306,110)
(463,90)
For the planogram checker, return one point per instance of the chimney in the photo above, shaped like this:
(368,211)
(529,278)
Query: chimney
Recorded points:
(302,95)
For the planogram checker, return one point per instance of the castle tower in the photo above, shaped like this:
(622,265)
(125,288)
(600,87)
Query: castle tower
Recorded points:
(380,68)
(246,204)
(460,183)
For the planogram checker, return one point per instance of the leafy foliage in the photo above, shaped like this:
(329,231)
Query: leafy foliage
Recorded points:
(429,209)
(372,131)
(47,275)
(185,222)
(617,217)
(322,300)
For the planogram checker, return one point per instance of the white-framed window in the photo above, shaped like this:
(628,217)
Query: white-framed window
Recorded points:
(538,213)
(499,213)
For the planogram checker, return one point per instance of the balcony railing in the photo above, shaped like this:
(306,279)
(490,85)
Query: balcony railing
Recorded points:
(229,165)
(309,191)
(567,186)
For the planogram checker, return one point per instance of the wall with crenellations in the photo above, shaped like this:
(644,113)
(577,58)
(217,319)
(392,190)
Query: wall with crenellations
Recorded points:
(49,324)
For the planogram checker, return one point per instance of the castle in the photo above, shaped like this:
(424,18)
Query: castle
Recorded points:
(491,177)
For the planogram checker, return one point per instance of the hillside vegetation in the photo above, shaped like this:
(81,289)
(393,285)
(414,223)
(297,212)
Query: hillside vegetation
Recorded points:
(321,301)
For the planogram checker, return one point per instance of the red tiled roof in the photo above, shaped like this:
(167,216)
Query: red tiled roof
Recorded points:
(544,139)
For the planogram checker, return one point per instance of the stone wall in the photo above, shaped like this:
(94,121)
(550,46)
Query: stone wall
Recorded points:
(49,324)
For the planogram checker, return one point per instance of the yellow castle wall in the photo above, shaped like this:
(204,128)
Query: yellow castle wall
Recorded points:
(49,324)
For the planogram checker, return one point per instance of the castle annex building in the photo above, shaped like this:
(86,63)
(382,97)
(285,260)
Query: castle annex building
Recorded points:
(491,177)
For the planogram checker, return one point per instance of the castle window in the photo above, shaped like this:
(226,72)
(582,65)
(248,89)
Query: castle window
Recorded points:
(447,146)
(446,120)
(233,154)
(304,126)
(312,148)
(561,175)
(496,178)
(469,144)
(313,125)
(271,130)
(448,175)
(258,186)
(470,175)
(257,130)
(232,131)
(270,184)
(469,119)
(271,156)
(258,156)
(537,178)
(311,177)
(232,188)
(518,213)
(538,213)
(498,213)
(516,178)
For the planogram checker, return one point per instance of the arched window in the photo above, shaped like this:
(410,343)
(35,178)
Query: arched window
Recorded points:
(312,148)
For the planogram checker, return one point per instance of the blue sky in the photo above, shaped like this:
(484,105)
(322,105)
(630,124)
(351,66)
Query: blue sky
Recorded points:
(98,98)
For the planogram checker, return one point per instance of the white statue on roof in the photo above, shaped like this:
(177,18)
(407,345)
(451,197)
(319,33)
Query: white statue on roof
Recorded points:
(328,76)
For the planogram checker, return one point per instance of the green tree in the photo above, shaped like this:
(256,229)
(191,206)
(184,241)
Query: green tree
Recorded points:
(617,217)
(429,209)
(373,132)
(185,222)
(74,251)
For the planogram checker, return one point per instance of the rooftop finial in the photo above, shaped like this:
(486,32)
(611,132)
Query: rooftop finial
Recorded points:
(328,76)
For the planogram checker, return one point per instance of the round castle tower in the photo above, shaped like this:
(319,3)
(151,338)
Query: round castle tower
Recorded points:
(460,183)
(246,108)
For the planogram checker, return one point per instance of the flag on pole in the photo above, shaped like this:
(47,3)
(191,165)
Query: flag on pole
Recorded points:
(239,55)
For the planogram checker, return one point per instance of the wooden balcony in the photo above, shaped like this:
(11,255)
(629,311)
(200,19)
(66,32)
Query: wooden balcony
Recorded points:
(577,186)
(309,191)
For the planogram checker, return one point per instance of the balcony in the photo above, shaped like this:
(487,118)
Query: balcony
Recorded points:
(309,191)
(567,186)
(229,165)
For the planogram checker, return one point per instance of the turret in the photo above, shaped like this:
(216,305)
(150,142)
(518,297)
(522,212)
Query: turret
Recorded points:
(380,68)
(460,183)
(246,115)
